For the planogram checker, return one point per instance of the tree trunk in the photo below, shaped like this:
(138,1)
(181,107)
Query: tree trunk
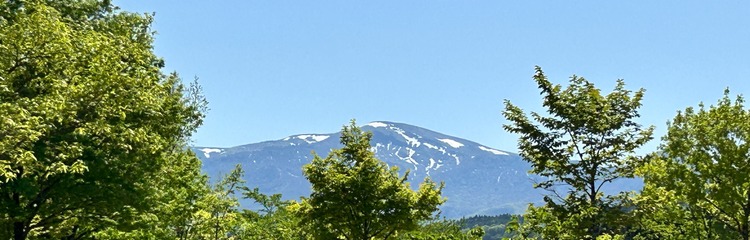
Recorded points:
(19,232)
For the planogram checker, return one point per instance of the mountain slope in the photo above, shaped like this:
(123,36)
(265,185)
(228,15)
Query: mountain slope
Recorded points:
(478,179)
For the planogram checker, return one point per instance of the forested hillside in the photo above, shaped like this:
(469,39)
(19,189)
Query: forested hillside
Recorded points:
(494,227)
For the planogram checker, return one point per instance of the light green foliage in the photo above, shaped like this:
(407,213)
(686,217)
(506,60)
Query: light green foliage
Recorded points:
(273,221)
(202,212)
(704,164)
(586,141)
(356,196)
(218,215)
(660,214)
(90,126)
(222,219)
(443,229)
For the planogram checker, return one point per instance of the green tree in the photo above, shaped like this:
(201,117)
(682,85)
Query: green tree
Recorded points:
(214,213)
(218,215)
(585,142)
(443,229)
(704,161)
(88,122)
(182,197)
(356,196)
(272,221)
(659,213)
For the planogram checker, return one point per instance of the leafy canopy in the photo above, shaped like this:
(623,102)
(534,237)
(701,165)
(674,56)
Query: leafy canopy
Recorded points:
(704,162)
(356,196)
(90,126)
(586,141)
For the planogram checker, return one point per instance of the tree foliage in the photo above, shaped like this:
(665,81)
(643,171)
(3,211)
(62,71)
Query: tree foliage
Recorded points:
(356,196)
(89,125)
(586,141)
(703,162)
(443,229)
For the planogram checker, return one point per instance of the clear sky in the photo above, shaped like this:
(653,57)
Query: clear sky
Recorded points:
(276,68)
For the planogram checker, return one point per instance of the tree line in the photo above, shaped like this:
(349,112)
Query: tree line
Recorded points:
(95,145)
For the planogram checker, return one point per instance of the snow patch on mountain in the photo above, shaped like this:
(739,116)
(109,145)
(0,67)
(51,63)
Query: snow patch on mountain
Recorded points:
(432,163)
(377,124)
(374,149)
(312,138)
(411,140)
(442,150)
(458,161)
(409,157)
(431,146)
(493,151)
(451,142)
(207,151)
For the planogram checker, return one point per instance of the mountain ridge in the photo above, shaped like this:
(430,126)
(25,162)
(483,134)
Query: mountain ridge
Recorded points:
(478,179)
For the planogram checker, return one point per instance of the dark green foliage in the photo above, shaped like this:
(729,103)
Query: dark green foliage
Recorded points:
(494,226)
(484,220)
(586,141)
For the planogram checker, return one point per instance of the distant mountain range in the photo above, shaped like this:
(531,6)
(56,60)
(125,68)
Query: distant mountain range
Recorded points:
(478,179)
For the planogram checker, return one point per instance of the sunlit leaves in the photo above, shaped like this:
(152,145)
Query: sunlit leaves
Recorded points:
(88,122)
(585,140)
(356,196)
(703,163)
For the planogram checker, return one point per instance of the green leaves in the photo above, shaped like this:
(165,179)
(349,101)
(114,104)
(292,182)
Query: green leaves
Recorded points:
(356,196)
(703,162)
(587,140)
(89,124)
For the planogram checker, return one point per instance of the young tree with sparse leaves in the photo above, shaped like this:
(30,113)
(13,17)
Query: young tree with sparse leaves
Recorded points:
(586,140)
(356,196)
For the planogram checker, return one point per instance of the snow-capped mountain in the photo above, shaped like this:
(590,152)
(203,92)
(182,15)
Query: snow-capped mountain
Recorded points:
(478,179)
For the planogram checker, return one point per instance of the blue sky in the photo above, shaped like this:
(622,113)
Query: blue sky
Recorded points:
(276,68)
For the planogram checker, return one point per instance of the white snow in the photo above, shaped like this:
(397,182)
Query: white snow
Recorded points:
(377,124)
(432,163)
(493,151)
(430,146)
(411,153)
(451,142)
(315,138)
(208,151)
(458,161)
(412,141)
(409,158)
(442,150)
(375,148)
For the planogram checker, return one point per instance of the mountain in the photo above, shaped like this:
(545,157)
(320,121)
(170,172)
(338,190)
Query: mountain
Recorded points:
(478,179)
